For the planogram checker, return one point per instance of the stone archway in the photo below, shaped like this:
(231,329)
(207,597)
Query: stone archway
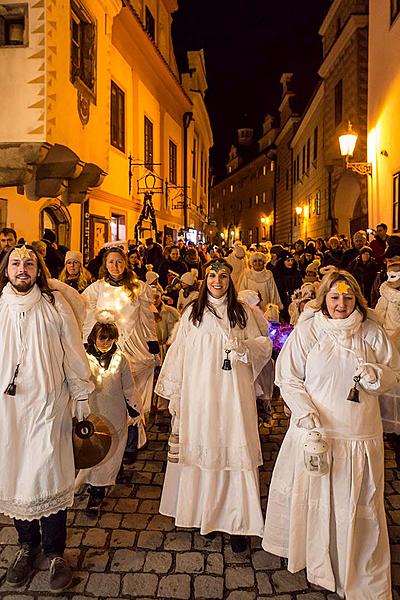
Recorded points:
(346,201)
(54,215)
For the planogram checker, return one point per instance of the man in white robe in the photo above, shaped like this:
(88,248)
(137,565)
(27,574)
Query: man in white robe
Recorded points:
(43,367)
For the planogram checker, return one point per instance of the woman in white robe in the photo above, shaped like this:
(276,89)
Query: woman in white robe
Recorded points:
(130,300)
(214,485)
(260,280)
(334,525)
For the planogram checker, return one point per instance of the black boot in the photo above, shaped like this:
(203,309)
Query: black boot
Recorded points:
(211,536)
(96,497)
(21,567)
(238,543)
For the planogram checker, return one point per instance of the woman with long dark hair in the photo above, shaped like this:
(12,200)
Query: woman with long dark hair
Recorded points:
(130,300)
(208,377)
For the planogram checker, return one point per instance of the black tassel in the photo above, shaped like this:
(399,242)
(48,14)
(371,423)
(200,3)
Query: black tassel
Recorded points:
(11,389)
(227,366)
(354,394)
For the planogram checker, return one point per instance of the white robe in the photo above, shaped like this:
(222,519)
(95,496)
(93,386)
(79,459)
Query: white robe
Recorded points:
(215,485)
(263,283)
(333,525)
(135,322)
(238,268)
(36,458)
(113,388)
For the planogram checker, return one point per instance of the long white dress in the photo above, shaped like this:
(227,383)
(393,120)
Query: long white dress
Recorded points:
(113,388)
(36,458)
(263,283)
(238,268)
(333,525)
(135,322)
(215,485)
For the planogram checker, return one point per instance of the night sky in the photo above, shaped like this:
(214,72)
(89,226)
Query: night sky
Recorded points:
(248,44)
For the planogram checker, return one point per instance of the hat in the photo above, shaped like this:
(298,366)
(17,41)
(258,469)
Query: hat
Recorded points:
(190,277)
(73,255)
(369,250)
(393,247)
(313,266)
(238,251)
(284,255)
(49,235)
(310,249)
(149,241)
(276,249)
(151,277)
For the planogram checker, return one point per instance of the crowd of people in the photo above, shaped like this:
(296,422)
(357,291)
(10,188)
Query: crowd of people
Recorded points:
(188,328)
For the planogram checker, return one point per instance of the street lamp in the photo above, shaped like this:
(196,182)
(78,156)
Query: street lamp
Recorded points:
(299,210)
(347,142)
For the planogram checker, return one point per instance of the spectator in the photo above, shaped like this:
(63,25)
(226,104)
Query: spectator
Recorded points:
(334,254)
(364,268)
(153,254)
(8,239)
(54,259)
(359,240)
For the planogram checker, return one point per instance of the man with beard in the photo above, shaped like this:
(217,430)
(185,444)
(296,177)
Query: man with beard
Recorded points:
(43,366)
(8,239)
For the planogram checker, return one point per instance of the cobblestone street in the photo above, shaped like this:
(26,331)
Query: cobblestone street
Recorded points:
(133,551)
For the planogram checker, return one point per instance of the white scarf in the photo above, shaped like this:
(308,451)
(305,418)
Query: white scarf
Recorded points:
(341,330)
(20,303)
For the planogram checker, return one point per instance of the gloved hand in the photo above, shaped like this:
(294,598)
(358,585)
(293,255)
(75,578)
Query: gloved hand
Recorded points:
(310,421)
(236,345)
(366,372)
(82,409)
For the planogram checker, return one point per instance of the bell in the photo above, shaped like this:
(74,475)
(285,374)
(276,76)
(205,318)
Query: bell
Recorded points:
(354,394)
(91,439)
(227,365)
(11,389)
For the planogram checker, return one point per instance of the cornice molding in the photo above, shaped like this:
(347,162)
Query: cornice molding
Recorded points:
(355,22)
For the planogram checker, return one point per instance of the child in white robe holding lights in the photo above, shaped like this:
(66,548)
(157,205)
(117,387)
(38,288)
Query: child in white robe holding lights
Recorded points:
(208,377)
(116,398)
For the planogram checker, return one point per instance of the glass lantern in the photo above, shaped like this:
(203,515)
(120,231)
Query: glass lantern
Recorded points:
(316,454)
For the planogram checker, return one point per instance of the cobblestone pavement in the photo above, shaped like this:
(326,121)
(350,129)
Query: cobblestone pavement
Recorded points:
(133,551)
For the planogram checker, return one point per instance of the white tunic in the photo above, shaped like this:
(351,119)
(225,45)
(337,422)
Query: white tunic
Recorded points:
(333,525)
(113,388)
(238,268)
(36,459)
(135,322)
(215,484)
(263,283)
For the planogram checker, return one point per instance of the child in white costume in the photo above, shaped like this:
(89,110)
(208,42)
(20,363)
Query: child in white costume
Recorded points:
(208,377)
(261,280)
(116,398)
(334,525)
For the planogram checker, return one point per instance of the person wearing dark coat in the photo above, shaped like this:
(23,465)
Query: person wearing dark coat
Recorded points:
(359,241)
(54,259)
(365,268)
(153,254)
(288,279)
(334,254)
(192,261)
(306,258)
(170,268)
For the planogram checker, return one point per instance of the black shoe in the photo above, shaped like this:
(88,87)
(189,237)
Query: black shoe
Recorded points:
(211,536)
(96,497)
(21,568)
(60,574)
(238,543)
(129,458)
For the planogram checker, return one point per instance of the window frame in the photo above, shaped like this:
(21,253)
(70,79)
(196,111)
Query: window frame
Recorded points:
(172,162)
(338,98)
(87,52)
(396,202)
(117,117)
(148,143)
(394,10)
(7,20)
(150,23)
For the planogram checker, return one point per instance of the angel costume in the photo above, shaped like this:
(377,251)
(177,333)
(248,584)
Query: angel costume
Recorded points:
(135,322)
(333,525)
(114,389)
(215,484)
(263,283)
(36,459)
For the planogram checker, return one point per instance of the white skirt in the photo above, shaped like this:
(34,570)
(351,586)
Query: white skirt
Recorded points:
(227,501)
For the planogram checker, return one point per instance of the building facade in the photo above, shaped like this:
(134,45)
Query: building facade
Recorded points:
(383,106)
(96,125)
(242,204)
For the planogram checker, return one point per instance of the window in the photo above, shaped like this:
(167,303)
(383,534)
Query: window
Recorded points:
(303,170)
(224,192)
(150,24)
(194,157)
(287,179)
(317,204)
(231,188)
(83,47)
(256,200)
(394,9)
(118,227)
(315,149)
(298,167)
(217,204)
(250,236)
(205,175)
(264,170)
(338,103)
(294,172)
(148,144)
(117,133)
(173,150)
(264,197)
(308,152)
(14,25)
(250,202)
(396,202)
(202,168)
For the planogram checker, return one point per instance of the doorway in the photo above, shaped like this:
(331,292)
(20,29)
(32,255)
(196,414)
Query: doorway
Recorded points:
(56,217)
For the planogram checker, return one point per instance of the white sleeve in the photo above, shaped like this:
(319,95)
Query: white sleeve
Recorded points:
(90,296)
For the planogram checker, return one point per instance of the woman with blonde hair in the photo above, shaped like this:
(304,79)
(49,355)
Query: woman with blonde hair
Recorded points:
(74,273)
(330,372)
